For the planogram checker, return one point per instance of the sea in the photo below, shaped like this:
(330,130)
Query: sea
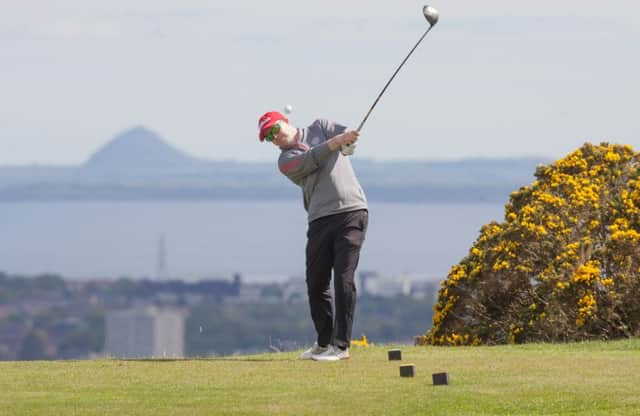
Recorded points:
(260,240)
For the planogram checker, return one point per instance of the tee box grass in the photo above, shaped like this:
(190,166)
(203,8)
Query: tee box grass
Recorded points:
(594,378)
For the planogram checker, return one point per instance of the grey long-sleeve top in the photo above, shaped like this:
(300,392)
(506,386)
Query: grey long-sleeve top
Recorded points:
(329,184)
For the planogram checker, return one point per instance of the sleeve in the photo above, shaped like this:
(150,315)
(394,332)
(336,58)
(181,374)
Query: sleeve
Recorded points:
(298,163)
(331,129)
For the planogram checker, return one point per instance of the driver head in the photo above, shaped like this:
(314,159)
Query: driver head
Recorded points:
(431,15)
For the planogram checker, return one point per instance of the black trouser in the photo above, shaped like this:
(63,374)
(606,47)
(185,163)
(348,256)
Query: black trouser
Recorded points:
(334,242)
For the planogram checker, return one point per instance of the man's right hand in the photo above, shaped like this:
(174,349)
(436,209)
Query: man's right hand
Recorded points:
(346,138)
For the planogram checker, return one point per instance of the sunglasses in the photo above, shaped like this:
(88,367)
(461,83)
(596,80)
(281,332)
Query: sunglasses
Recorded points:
(273,132)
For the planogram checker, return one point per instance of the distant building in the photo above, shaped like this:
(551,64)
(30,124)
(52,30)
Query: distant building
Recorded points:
(389,286)
(295,290)
(361,281)
(145,331)
(247,294)
(417,286)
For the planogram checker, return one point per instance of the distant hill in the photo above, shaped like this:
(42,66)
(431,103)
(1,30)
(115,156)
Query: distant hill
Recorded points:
(139,150)
(139,164)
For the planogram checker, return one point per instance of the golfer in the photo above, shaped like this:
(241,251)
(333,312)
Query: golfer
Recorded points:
(337,213)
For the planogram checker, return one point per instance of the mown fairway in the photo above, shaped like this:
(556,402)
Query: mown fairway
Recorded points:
(596,378)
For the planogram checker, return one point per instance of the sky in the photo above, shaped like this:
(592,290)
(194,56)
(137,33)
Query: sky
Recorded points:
(495,78)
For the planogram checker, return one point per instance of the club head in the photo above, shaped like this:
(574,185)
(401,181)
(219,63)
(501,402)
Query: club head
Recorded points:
(431,14)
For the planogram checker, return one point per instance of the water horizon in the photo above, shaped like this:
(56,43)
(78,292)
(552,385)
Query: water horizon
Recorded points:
(260,240)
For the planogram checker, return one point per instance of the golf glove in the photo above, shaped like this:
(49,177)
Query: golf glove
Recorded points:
(348,149)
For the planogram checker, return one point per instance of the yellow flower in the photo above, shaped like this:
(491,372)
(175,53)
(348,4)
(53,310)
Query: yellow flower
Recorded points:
(523,268)
(587,303)
(456,274)
(363,342)
(587,273)
(612,157)
(500,265)
(476,271)
(628,235)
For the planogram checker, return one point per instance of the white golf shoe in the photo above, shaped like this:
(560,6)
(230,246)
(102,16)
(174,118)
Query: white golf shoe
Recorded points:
(316,349)
(332,354)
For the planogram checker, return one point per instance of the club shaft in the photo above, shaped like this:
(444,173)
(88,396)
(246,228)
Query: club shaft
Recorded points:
(391,79)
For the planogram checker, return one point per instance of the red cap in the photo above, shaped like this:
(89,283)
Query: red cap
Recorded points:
(267,121)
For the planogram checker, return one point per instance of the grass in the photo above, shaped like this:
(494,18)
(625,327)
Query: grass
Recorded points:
(594,378)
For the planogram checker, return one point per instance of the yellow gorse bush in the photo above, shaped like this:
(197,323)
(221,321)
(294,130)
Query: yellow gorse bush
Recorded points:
(564,264)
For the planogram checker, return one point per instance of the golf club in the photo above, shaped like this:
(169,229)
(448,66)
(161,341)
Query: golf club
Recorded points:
(432,16)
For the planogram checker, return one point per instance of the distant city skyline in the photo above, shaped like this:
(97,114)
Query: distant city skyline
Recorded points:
(493,79)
